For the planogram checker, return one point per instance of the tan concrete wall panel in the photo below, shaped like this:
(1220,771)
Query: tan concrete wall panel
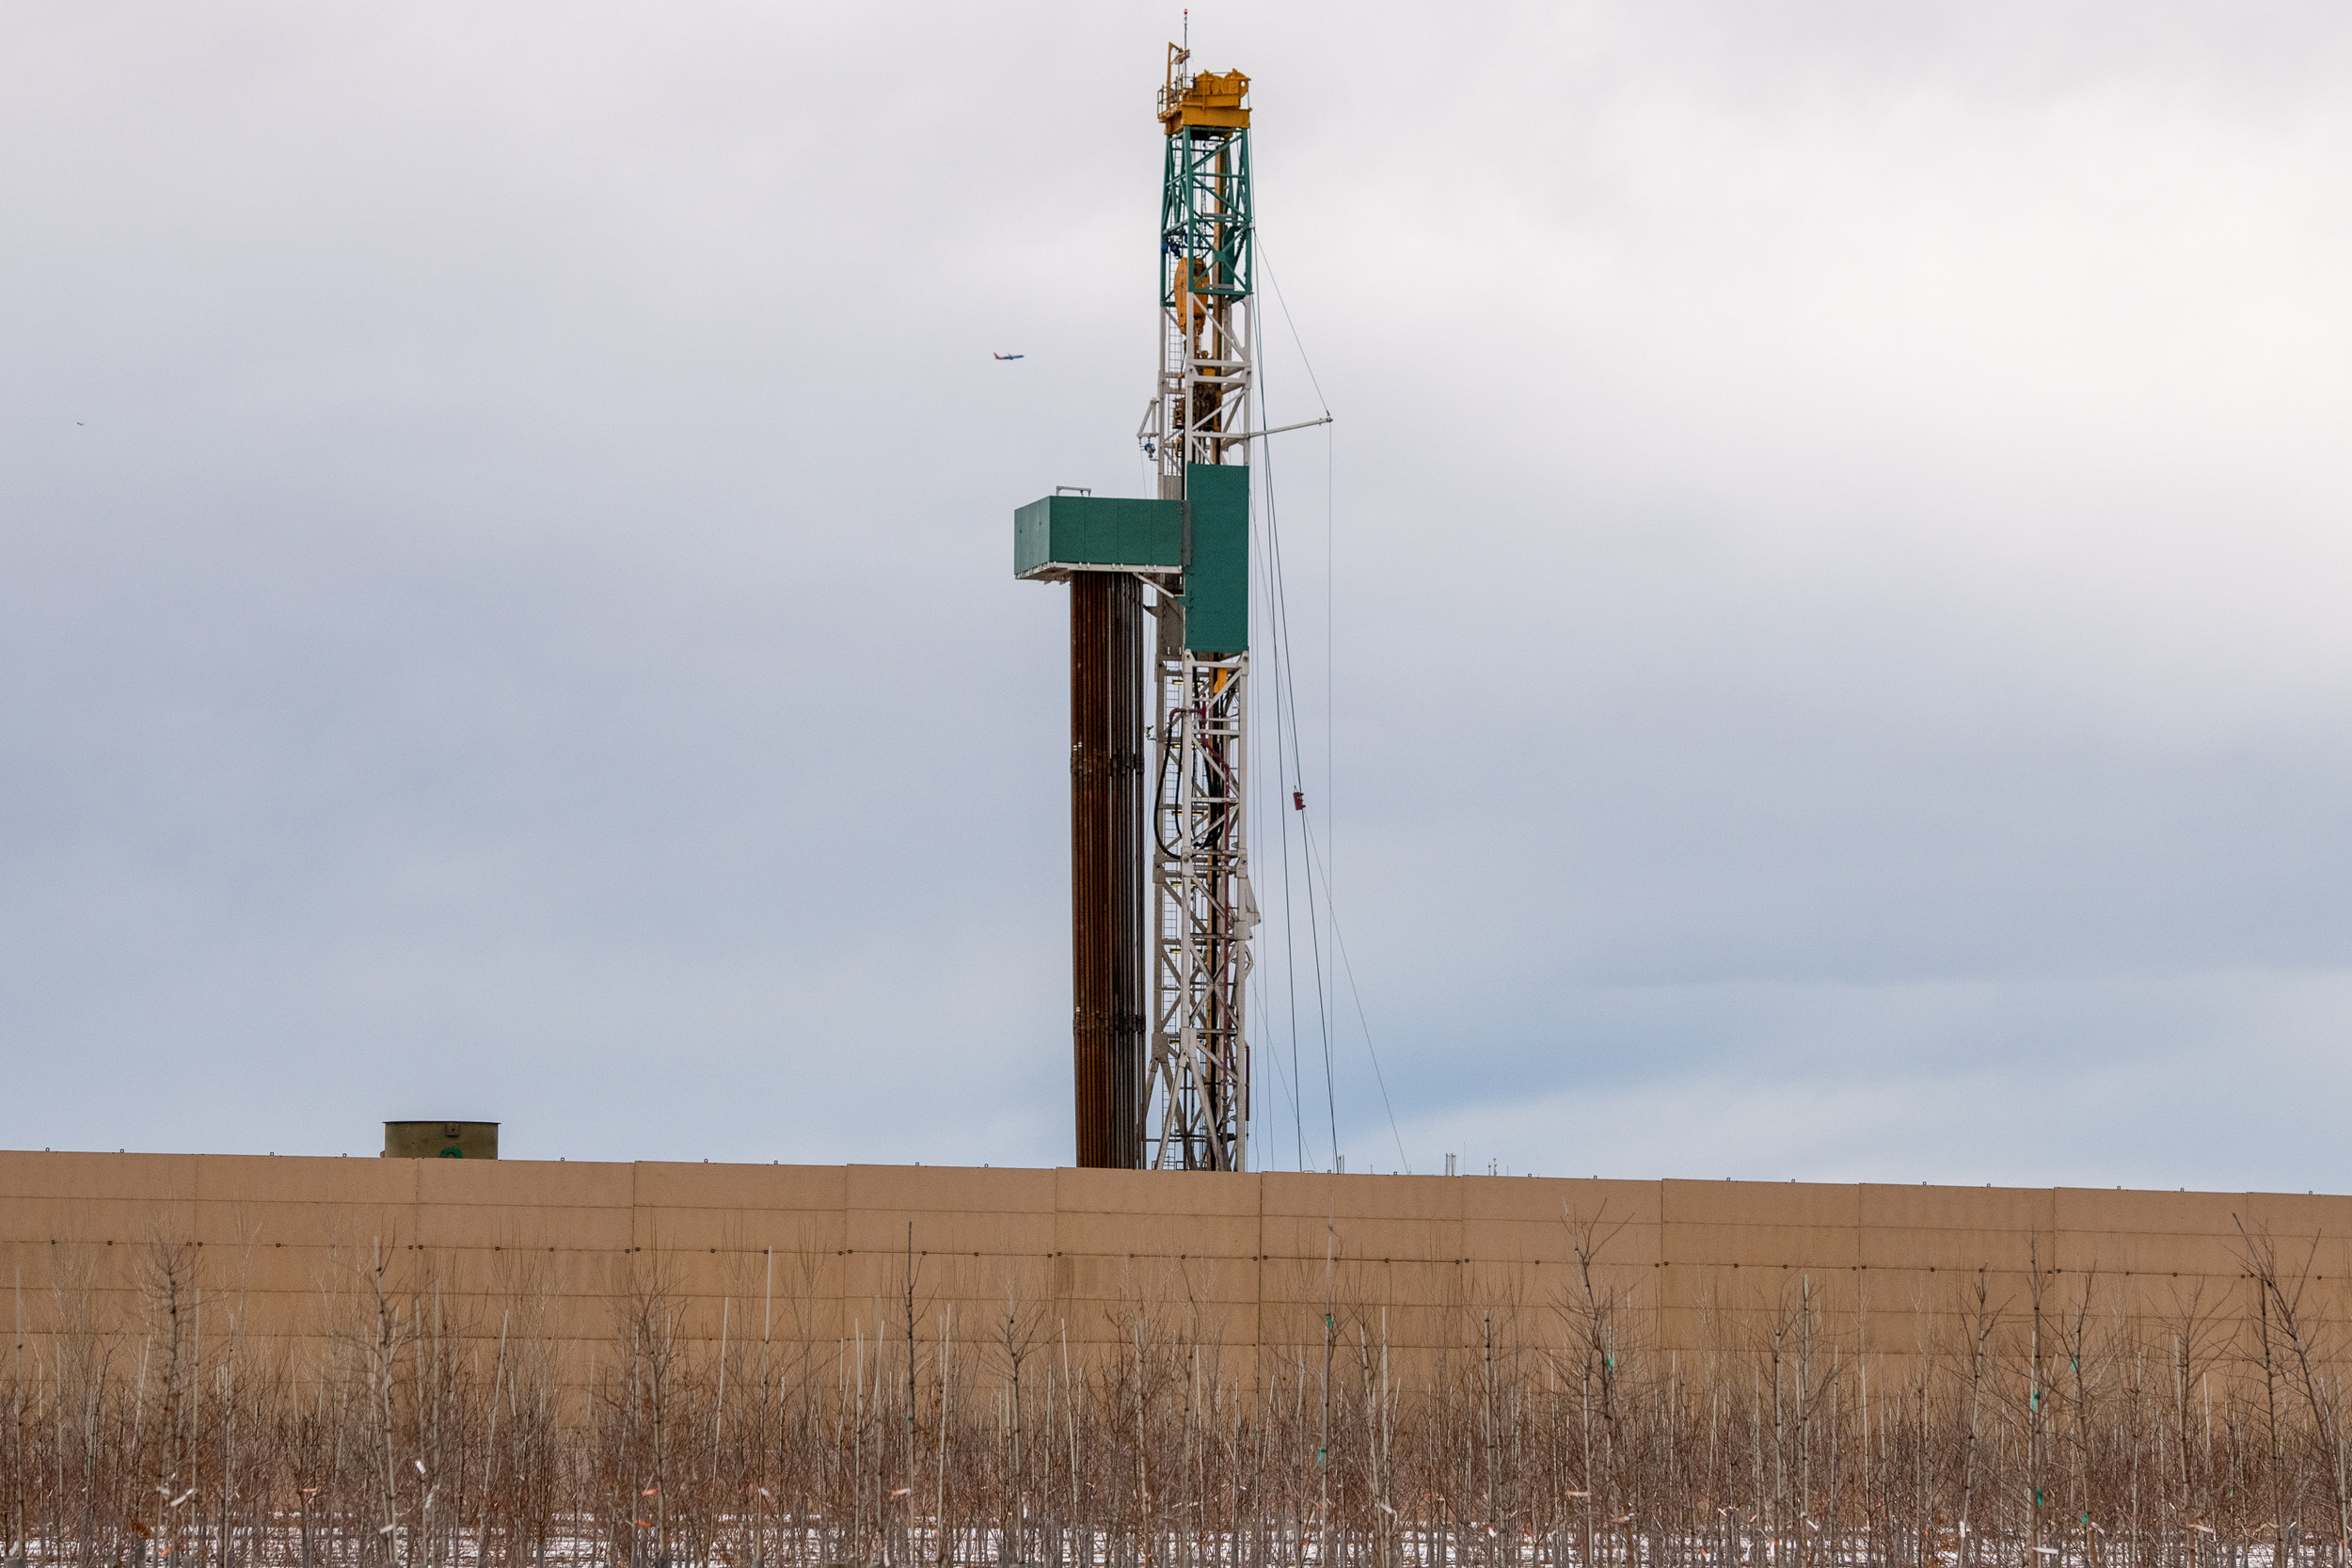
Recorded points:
(1744,1203)
(81,1177)
(126,1221)
(267,1178)
(1891,1246)
(1256,1259)
(1755,1244)
(2031,1211)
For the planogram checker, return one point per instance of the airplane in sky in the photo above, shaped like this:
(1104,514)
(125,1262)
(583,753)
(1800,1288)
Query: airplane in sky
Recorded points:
(1012,356)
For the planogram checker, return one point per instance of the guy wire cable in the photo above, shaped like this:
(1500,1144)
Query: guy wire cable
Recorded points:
(1290,928)
(1330,617)
(1339,943)
(1276,629)
(1330,492)
(1285,680)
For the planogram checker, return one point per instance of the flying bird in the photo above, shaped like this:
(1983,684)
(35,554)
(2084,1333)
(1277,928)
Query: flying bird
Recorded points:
(1012,356)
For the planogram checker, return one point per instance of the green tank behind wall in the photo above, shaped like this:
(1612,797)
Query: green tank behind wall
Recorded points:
(440,1140)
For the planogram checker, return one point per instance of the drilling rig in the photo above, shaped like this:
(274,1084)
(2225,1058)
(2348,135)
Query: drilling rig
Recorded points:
(1163,1081)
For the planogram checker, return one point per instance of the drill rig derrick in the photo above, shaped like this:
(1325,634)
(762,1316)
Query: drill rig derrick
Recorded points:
(1197,430)
(1167,1088)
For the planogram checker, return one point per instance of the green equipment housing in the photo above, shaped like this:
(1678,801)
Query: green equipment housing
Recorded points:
(1205,536)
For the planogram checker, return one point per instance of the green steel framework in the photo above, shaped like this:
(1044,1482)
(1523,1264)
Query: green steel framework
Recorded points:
(1205,213)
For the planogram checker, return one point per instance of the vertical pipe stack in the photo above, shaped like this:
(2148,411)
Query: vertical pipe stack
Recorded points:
(1106,698)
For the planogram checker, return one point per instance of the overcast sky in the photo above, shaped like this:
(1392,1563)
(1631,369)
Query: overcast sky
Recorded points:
(1820,621)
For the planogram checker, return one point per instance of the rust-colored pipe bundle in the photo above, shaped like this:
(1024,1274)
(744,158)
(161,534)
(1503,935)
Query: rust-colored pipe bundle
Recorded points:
(1106,698)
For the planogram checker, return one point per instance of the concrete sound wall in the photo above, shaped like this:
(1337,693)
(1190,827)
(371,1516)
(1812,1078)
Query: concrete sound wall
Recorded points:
(282,1246)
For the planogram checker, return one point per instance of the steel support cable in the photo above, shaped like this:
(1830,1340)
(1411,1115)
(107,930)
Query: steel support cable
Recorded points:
(1329,485)
(1257,242)
(1290,924)
(1285,683)
(1339,943)
(1287,780)
(1330,898)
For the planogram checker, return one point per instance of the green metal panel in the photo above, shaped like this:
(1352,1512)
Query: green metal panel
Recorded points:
(1062,534)
(1216,566)
(1206,535)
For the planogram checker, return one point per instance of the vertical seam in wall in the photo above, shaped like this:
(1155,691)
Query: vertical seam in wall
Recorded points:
(2055,1258)
(1257,1292)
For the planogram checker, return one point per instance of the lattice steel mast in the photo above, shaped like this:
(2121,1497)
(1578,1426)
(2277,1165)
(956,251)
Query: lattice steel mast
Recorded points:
(1203,912)
(1174,1095)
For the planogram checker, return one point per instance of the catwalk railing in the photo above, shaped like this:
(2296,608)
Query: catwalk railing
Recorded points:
(2060,1420)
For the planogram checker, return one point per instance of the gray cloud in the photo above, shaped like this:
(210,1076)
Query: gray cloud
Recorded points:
(1835,554)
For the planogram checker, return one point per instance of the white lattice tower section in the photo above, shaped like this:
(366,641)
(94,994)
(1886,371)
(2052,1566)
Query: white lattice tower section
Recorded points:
(1204,910)
(1204,915)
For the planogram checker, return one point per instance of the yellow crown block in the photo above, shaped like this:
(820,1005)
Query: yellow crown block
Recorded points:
(1211,100)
